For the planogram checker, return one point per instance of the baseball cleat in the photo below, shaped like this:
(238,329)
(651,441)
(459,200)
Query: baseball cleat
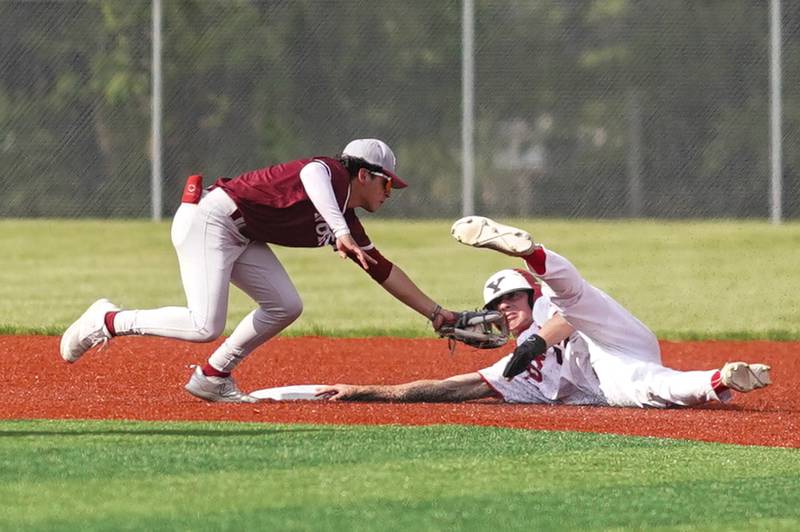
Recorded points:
(481,232)
(88,331)
(216,389)
(744,377)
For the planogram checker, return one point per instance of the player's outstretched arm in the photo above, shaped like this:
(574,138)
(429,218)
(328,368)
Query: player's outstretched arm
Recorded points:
(467,387)
(401,287)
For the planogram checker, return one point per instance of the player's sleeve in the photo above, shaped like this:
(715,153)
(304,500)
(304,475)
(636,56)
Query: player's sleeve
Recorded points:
(383,267)
(543,310)
(316,179)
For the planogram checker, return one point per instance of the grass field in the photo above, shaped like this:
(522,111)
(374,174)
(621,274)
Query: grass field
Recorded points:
(686,280)
(195,476)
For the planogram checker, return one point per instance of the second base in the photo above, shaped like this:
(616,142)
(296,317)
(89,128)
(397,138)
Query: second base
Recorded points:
(299,392)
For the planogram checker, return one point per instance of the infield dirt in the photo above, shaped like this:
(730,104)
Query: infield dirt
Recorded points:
(143,378)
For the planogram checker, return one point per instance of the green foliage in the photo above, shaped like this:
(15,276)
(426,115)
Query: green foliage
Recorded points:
(686,280)
(251,83)
(76,475)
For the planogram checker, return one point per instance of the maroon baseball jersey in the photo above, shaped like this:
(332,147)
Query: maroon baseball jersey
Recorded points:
(276,208)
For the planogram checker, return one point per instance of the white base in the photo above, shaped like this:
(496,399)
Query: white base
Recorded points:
(300,392)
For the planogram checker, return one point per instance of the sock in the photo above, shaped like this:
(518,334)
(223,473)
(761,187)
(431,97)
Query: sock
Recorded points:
(211,371)
(716,383)
(109,322)
(536,260)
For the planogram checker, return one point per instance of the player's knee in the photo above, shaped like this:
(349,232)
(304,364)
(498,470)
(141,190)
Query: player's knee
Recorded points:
(205,326)
(278,316)
(293,308)
(203,335)
(209,331)
(289,310)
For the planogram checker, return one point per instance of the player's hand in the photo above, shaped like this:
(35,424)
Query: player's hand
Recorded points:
(523,355)
(345,245)
(443,317)
(337,392)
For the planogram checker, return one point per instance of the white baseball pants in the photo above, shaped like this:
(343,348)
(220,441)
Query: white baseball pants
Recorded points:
(623,352)
(212,253)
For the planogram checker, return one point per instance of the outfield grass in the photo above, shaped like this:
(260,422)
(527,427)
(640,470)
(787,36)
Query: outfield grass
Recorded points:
(74,475)
(686,280)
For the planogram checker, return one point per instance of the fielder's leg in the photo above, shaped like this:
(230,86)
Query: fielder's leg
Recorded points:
(207,243)
(259,274)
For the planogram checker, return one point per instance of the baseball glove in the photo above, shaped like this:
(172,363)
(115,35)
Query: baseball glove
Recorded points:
(482,329)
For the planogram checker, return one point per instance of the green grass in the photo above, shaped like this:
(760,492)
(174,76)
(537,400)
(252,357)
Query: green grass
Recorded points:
(686,280)
(76,475)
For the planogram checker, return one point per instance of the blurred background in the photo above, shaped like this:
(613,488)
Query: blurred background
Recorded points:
(574,108)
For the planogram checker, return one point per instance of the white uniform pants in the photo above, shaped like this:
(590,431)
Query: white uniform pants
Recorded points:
(212,254)
(623,352)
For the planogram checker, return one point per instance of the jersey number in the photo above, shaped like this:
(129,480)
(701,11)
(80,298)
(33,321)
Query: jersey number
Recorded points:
(534,369)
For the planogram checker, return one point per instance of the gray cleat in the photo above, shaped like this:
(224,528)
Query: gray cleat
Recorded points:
(216,389)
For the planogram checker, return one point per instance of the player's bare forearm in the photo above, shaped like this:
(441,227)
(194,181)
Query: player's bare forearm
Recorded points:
(410,392)
(401,287)
(456,389)
(446,391)
(555,330)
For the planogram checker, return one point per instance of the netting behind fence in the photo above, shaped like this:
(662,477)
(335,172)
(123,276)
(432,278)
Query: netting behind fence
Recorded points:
(601,109)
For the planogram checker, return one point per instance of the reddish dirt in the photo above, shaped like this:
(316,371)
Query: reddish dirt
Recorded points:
(142,378)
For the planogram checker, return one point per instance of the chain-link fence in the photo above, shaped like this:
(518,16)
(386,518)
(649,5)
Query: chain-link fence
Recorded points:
(607,108)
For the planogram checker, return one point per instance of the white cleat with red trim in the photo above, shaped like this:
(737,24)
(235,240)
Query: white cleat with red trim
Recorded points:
(87,332)
(744,377)
(482,232)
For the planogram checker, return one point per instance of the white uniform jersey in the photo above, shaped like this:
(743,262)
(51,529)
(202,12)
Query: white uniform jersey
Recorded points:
(612,358)
(563,375)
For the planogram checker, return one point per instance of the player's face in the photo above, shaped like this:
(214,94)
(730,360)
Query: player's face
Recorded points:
(379,189)
(517,310)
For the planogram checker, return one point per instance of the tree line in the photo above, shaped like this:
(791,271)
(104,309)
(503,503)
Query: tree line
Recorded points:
(602,109)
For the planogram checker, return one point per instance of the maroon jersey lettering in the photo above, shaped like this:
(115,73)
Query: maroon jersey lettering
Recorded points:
(276,208)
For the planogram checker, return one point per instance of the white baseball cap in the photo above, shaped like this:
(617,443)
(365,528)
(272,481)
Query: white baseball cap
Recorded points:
(376,152)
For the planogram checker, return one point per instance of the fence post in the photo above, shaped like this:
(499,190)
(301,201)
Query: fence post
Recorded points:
(156,170)
(634,154)
(467,108)
(776,139)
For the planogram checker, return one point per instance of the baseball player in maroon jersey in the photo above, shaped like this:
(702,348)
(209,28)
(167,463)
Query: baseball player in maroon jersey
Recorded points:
(222,236)
(575,344)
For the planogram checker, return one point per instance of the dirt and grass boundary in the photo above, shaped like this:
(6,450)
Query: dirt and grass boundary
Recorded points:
(142,379)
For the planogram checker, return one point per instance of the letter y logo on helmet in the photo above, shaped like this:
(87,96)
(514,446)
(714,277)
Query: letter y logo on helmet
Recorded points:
(494,285)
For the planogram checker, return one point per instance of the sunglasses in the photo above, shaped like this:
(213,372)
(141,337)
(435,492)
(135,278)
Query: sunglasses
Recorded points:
(387,183)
